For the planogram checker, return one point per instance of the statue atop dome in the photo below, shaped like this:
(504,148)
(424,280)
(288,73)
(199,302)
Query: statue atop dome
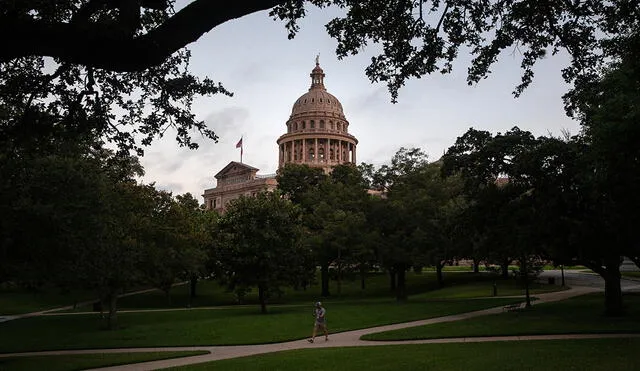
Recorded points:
(318,59)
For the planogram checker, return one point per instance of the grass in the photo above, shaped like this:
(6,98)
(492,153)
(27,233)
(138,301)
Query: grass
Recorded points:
(218,326)
(14,300)
(85,361)
(210,293)
(583,314)
(485,288)
(592,354)
(566,267)
(631,274)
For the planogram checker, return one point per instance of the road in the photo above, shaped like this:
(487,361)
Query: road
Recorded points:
(578,278)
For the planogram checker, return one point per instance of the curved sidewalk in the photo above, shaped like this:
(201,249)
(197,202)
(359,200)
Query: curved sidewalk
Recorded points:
(343,339)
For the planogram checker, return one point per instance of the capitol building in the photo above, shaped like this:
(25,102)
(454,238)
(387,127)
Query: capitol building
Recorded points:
(317,135)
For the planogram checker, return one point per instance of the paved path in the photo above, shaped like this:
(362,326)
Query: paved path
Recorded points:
(579,278)
(5,318)
(343,339)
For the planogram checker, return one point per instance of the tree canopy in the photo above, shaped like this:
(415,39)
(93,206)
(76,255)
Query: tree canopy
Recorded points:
(417,37)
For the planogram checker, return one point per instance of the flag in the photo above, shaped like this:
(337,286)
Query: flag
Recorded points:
(239,145)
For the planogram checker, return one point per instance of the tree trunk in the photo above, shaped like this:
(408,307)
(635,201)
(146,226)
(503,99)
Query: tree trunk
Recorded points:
(401,288)
(339,278)
(324,277)
(525,275)
(439,266)
(562,272)
(505,268)
(262,296)
(363,276)
(392,279)
(192,286)
(476,265)
(112,315)
(612,289)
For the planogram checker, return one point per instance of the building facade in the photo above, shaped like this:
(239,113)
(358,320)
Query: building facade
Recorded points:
(317,134)
(235,180)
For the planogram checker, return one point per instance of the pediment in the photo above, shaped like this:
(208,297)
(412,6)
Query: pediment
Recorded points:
(235,168)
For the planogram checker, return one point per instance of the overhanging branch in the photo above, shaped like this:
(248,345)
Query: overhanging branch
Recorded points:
(98,46)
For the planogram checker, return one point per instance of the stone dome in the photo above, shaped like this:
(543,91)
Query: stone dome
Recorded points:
(317,131)
(317,99)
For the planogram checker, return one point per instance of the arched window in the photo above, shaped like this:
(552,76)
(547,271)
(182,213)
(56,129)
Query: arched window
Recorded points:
(304,124)
(321,154)
(339,126)
(313,124)
(333,125)
(321,124)
(332,155)
(312,154)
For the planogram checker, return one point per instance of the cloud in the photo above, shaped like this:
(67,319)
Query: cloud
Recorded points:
(227,120)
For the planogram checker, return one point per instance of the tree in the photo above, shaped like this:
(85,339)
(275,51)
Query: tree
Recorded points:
(295,181)
(607,108)
(481,159)
(200,224)
(396,232)
(602,198)
(60,98)
(175,243)
(427,35)
(259,245)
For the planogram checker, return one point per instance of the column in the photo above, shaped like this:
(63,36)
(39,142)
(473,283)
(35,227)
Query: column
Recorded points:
(354,154)
(339,151)
(327,151)
(304,150)
(315,150)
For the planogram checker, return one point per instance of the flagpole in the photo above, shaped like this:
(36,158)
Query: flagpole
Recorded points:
(240,145)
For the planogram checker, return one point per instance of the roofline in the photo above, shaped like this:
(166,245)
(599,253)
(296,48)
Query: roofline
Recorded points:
(235,163)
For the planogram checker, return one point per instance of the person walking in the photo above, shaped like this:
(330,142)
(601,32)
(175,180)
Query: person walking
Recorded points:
(320,323)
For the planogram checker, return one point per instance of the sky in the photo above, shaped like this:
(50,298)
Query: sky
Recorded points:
(252,57)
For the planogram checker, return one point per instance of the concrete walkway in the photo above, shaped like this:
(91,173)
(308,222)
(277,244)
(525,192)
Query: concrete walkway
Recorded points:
(5,318)
(343,339)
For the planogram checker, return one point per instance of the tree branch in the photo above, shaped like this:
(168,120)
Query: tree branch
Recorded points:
(98,46)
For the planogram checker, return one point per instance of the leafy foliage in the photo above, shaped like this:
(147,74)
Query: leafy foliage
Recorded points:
(259,245)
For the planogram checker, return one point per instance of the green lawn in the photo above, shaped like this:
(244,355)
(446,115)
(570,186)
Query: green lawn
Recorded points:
(85,361)
(14,300)
(485,288)
(218,326)
(566,267)
(583,314)
(593,354)
(210,293)
(631,274)
(17,300)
